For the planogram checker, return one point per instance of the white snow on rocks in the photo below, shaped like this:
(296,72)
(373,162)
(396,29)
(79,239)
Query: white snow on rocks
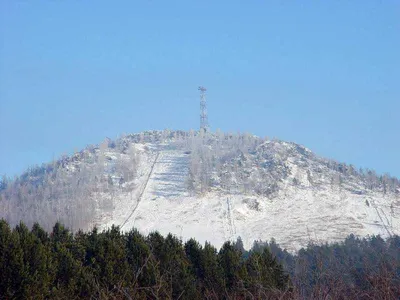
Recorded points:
(296,216)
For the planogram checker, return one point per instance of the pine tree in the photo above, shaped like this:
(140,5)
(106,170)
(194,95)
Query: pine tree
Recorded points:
(230,259)
(37,264)
(213,273)
(174,266)
(141,262)
(265,272)
(12,267)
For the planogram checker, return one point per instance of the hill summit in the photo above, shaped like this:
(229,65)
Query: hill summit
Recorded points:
(211,186)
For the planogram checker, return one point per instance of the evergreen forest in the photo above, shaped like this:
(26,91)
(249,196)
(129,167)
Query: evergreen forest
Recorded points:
(36,264)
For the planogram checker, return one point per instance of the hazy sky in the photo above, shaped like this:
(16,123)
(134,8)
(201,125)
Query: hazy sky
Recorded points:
(323,75)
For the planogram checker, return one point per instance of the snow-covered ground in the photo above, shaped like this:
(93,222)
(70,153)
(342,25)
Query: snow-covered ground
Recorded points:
(299,214)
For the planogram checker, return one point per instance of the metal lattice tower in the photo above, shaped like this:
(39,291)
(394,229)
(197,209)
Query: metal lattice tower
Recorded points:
(203,109)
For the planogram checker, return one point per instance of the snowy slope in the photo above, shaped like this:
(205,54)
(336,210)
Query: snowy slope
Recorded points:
(294,217)
(213,187)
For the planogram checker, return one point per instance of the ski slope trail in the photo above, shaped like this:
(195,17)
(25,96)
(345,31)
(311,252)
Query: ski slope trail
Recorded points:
(167,206)
(231,221)
(143,190)
(169,176)
(165,187)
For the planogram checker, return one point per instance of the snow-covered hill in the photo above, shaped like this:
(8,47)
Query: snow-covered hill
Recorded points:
(217,187)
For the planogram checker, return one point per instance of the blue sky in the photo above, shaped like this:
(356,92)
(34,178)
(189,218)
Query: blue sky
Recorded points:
(325,75)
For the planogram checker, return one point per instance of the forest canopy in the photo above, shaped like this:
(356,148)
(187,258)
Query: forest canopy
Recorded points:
(128,265)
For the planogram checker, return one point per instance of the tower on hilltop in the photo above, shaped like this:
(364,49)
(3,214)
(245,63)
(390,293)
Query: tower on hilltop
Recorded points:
(203,110)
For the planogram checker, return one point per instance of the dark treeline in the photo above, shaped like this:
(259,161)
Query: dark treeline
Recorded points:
(357,268)
(35,264)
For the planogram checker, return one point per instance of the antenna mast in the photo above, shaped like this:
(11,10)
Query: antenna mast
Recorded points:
(203,109)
